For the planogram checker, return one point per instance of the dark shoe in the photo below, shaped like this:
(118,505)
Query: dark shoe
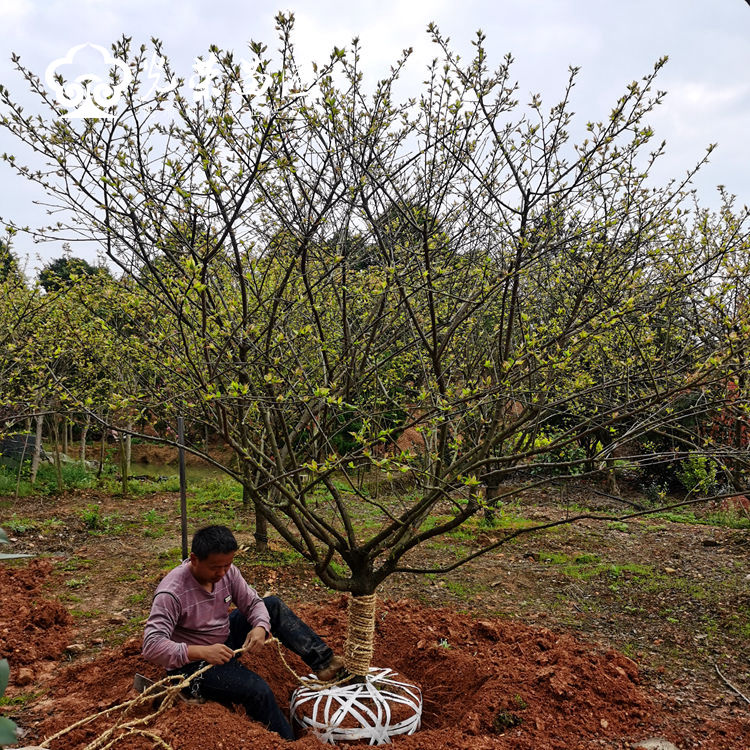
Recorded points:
(330,672)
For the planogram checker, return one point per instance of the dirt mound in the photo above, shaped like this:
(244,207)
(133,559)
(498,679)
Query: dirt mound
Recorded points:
(488,684)
(32,629)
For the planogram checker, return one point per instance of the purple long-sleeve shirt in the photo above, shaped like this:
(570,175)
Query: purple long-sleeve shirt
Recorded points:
(184,614)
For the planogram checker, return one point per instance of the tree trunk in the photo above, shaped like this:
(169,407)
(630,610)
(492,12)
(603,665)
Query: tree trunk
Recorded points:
(102,446)
(261,523)
(20,464)
(128,446)
(58,461)
(65,436)
(123,464)
(37,447)
(491,491)
(84,432)
(360,633)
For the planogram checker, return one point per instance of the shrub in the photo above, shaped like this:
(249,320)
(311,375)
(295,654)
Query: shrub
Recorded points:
(698,474)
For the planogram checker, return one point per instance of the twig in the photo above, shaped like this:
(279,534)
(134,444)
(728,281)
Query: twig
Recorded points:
(729,684)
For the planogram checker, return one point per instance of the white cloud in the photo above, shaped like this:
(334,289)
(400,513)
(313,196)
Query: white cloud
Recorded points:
(704,96)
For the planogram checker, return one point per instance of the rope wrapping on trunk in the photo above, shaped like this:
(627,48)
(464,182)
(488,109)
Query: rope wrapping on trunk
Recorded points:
(360,634)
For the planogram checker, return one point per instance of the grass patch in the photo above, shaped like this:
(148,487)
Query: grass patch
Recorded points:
(75,563)
(463,590)
(617,526)
(74,476)
(272,558)
(19,700)
(85,614)
(171,556)
(724,518)
(154,524)
(75,583)
(138,598)
(134,626)
(97,524)
(585,566)
(216,501)
(19,526)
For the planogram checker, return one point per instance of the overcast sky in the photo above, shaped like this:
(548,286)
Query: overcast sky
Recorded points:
(613,41)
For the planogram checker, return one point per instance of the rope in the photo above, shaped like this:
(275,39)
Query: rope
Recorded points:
(358,654)
(309,682)
(167,690)
(360,634)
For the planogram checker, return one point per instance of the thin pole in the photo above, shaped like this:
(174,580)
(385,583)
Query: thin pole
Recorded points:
(183,484)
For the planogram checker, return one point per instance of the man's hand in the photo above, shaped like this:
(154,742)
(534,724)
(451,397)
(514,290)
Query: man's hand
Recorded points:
(216,654)
(255,640)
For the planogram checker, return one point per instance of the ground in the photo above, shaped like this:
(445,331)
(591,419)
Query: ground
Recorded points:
(595,635)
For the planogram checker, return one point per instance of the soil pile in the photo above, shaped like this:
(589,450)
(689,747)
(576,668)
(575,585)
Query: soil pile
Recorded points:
(488,684)
(32,629)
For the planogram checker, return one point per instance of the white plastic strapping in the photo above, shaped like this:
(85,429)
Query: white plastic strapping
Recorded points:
(366,704)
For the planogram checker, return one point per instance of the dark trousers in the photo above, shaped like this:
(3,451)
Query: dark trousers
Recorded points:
(233,683)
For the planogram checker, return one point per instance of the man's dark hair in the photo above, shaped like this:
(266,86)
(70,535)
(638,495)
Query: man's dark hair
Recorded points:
(212,540)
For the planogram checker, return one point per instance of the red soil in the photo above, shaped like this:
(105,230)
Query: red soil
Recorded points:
(492,684)
(32,630)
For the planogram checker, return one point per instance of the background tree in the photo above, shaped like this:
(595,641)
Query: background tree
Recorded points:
(8,261)
(61,272)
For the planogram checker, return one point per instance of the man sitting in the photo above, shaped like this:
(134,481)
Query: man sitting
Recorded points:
(190,625)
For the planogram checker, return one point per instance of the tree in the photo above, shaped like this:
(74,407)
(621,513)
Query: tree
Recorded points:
(60,272)
(8,262)
(320,270)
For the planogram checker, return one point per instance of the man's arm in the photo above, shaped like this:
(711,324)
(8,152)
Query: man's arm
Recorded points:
(216,654)
(246,599)
(158,646)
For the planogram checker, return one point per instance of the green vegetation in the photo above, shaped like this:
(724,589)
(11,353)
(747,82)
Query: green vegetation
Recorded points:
(74,583)
(272,558)
(75,563)
(723,518)
(138,598)
(17,525)
(505,720)
(98,524)
(171,557)
(216,501)
(20,700)
(155,524)
(86,614)
(7,727)
(618,526)
(586,566)
(463,590)
(74,476)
